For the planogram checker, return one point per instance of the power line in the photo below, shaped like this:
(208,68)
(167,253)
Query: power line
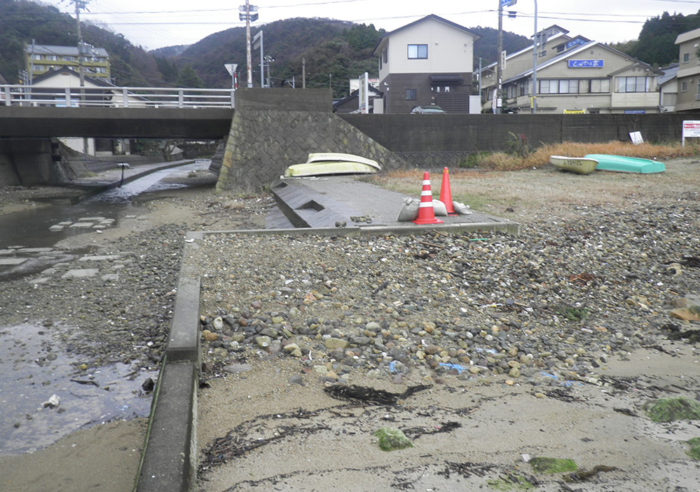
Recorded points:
(189,11)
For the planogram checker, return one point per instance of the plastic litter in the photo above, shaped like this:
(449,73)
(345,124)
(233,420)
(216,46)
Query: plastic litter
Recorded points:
(459,368)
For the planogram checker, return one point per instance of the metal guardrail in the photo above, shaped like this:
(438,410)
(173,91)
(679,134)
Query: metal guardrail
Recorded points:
(115,97)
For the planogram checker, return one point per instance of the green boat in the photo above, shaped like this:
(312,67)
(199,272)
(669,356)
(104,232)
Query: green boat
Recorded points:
(618,163)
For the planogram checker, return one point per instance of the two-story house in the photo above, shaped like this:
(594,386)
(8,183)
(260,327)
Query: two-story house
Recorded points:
(41,58)
(688,76)
(429,61)
(575,75)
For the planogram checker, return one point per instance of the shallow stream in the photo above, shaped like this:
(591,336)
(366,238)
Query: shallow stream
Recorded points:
(45,391)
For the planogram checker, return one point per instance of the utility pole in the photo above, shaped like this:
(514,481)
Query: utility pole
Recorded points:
(79,5)
(499,69)
(258,42)
(535,49)
(244,13)
(31,63)
(479,76)
(303,73)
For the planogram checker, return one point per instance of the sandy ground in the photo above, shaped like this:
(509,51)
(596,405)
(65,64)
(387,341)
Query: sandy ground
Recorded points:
(100,458)
(318,443)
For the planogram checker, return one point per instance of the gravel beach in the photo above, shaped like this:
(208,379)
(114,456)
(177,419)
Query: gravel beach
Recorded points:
(514,345)
(492,346)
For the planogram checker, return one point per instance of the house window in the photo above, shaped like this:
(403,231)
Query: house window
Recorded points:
(571,86)
(686,57)
(523,88)
(600,85)
(417,51)
(684,86)
(633,84)
(385,55)
(411,94)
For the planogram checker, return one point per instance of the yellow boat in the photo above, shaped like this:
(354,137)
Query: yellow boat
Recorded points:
(578,165)
(324,164)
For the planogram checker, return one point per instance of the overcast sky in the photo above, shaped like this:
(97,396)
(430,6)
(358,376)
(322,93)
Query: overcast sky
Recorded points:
(157,23)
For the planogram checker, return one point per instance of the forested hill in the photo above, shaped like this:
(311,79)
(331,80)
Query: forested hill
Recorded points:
(22,20)
(656,43)
(334,51)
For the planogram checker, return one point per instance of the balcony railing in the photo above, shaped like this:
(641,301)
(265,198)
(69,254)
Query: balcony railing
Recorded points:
(116,97)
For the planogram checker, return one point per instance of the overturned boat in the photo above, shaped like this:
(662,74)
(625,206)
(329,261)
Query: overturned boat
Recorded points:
(329,163)
(578,165)
(618,163)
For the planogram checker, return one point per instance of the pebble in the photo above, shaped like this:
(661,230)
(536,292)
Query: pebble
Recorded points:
(504,305)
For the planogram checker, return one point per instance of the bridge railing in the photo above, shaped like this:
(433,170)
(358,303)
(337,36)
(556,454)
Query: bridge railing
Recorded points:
(116,97)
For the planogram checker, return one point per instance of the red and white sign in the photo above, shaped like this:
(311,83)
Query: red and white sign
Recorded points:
(691,129)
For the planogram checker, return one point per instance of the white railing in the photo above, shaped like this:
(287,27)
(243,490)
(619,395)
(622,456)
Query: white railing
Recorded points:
(115,97)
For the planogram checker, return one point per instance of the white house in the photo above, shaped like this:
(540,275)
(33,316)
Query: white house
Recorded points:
(95,89)
(427,61)
(62,88)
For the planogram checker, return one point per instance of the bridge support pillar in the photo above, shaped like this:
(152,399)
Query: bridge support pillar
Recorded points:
(29,162)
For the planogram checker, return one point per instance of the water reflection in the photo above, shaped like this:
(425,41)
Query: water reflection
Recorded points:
(36,367)
(33,227)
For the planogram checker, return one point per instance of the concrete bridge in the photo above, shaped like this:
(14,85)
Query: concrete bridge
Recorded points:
(105,122)
(115,112)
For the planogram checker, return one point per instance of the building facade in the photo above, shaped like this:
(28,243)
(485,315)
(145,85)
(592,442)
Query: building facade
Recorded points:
(574,75)
(668,88)
(688,76)
(41,58)
(429,61)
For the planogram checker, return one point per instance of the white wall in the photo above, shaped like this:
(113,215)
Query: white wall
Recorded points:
(450,50)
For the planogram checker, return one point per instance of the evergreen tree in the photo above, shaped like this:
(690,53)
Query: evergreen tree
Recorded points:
(189,78)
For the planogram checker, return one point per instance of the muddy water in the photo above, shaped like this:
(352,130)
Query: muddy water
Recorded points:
(45,396)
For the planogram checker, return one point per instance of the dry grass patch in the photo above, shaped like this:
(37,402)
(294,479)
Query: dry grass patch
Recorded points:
(512,162)
(529,195)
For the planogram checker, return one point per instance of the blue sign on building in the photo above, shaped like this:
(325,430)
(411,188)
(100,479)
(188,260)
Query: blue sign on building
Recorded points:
(508,3)
(586,63)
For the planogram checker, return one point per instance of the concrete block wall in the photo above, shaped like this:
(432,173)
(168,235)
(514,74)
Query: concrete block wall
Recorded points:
(436,140)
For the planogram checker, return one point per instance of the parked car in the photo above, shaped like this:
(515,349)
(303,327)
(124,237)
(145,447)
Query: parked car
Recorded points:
(431,109)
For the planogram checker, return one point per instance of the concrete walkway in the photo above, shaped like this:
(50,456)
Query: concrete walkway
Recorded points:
(346,201)
(112,178)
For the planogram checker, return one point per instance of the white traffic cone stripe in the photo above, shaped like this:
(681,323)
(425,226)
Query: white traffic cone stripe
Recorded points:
(425,204)
(426,193)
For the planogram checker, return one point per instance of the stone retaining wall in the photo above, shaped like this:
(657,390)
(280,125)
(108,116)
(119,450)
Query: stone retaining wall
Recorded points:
(263,142)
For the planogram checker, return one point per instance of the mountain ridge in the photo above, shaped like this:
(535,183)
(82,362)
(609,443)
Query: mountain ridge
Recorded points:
(332,51)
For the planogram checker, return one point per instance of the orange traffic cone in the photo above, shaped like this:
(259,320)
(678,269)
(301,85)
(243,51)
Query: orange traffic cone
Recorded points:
(426,212)
(446,192)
